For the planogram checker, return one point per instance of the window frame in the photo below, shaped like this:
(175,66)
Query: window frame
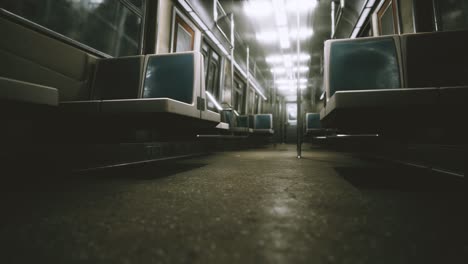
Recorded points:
(381,9)
(208,53)
(242,91)
(23,21)
(196,45)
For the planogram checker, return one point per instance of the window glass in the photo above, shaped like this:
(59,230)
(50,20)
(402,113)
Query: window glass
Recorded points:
(239,87)
(105,25)
(256,102)
(212,78)
(212,72)
(387,17)
(387,22)
(184,36)
(453,14)
(137,3)
(184,39)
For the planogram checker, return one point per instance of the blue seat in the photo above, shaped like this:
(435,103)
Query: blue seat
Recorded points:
(241,125)
(159,84)
(313,125)
(379,83)
(263,124)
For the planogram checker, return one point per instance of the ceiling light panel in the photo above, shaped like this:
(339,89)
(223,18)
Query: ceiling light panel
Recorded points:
(301,5)
(304,33)
(267,37)
(280,13)
(277,58)
(258,9)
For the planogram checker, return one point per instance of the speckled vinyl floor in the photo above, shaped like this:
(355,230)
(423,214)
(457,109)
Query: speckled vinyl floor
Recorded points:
(262,206)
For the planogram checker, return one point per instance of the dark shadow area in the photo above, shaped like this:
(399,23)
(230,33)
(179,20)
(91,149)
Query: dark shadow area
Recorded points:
(37,187)
(138,172)
(400,179)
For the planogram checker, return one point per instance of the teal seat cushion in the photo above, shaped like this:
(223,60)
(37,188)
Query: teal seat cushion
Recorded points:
(364,64)
(313,121)
(170,76)
(243,121)
(263,122)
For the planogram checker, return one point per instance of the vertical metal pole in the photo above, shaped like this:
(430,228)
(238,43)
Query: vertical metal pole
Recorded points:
(332,19)
(232,61)
(435,10)
(248,83)
(299,116)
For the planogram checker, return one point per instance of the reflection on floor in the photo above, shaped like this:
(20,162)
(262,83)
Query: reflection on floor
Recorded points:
(262,206)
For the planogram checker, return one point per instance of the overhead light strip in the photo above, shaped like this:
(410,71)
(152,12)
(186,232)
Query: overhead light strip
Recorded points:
(213,100)
(367,7)
(213,38)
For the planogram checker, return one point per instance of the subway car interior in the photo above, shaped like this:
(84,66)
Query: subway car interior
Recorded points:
(233,131)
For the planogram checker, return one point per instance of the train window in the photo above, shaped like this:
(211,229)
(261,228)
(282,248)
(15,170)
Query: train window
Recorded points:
(137,3)
(452,14)
(205,52)
(291,109)
(257,102)
(239,88)
(184,35)
(212,71)
(112,27)
(387,18)
(251,100)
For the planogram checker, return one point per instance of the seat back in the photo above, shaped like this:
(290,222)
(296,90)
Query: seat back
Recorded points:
(118,78)
(31,56)
(362,64)
(172,76)
(243,121)
(437,59)
(264,121)
(313,121)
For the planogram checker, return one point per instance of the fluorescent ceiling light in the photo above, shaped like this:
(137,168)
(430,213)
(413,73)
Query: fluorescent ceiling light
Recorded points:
(355,33)
(185,5)
(283,35)
(280,14)
(198,21)
(363,17)
(280,70)
(291,87)
(258,9)
(291,81)
(223,50)
(267,36)
(301,5)
(213,100)
(274,59)
(277,58)
(304,33)
(212,37)
(370,3)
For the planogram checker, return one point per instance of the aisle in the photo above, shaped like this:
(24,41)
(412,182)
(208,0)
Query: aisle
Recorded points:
(255,206)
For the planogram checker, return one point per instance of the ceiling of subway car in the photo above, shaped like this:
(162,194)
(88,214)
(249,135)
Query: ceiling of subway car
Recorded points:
(261,25)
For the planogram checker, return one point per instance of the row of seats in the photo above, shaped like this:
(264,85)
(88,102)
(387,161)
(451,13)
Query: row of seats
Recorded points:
(245,124)
(411,80)
(40,67)
(168,83)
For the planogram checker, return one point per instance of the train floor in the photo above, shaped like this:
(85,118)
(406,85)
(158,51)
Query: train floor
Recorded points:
(249,206)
